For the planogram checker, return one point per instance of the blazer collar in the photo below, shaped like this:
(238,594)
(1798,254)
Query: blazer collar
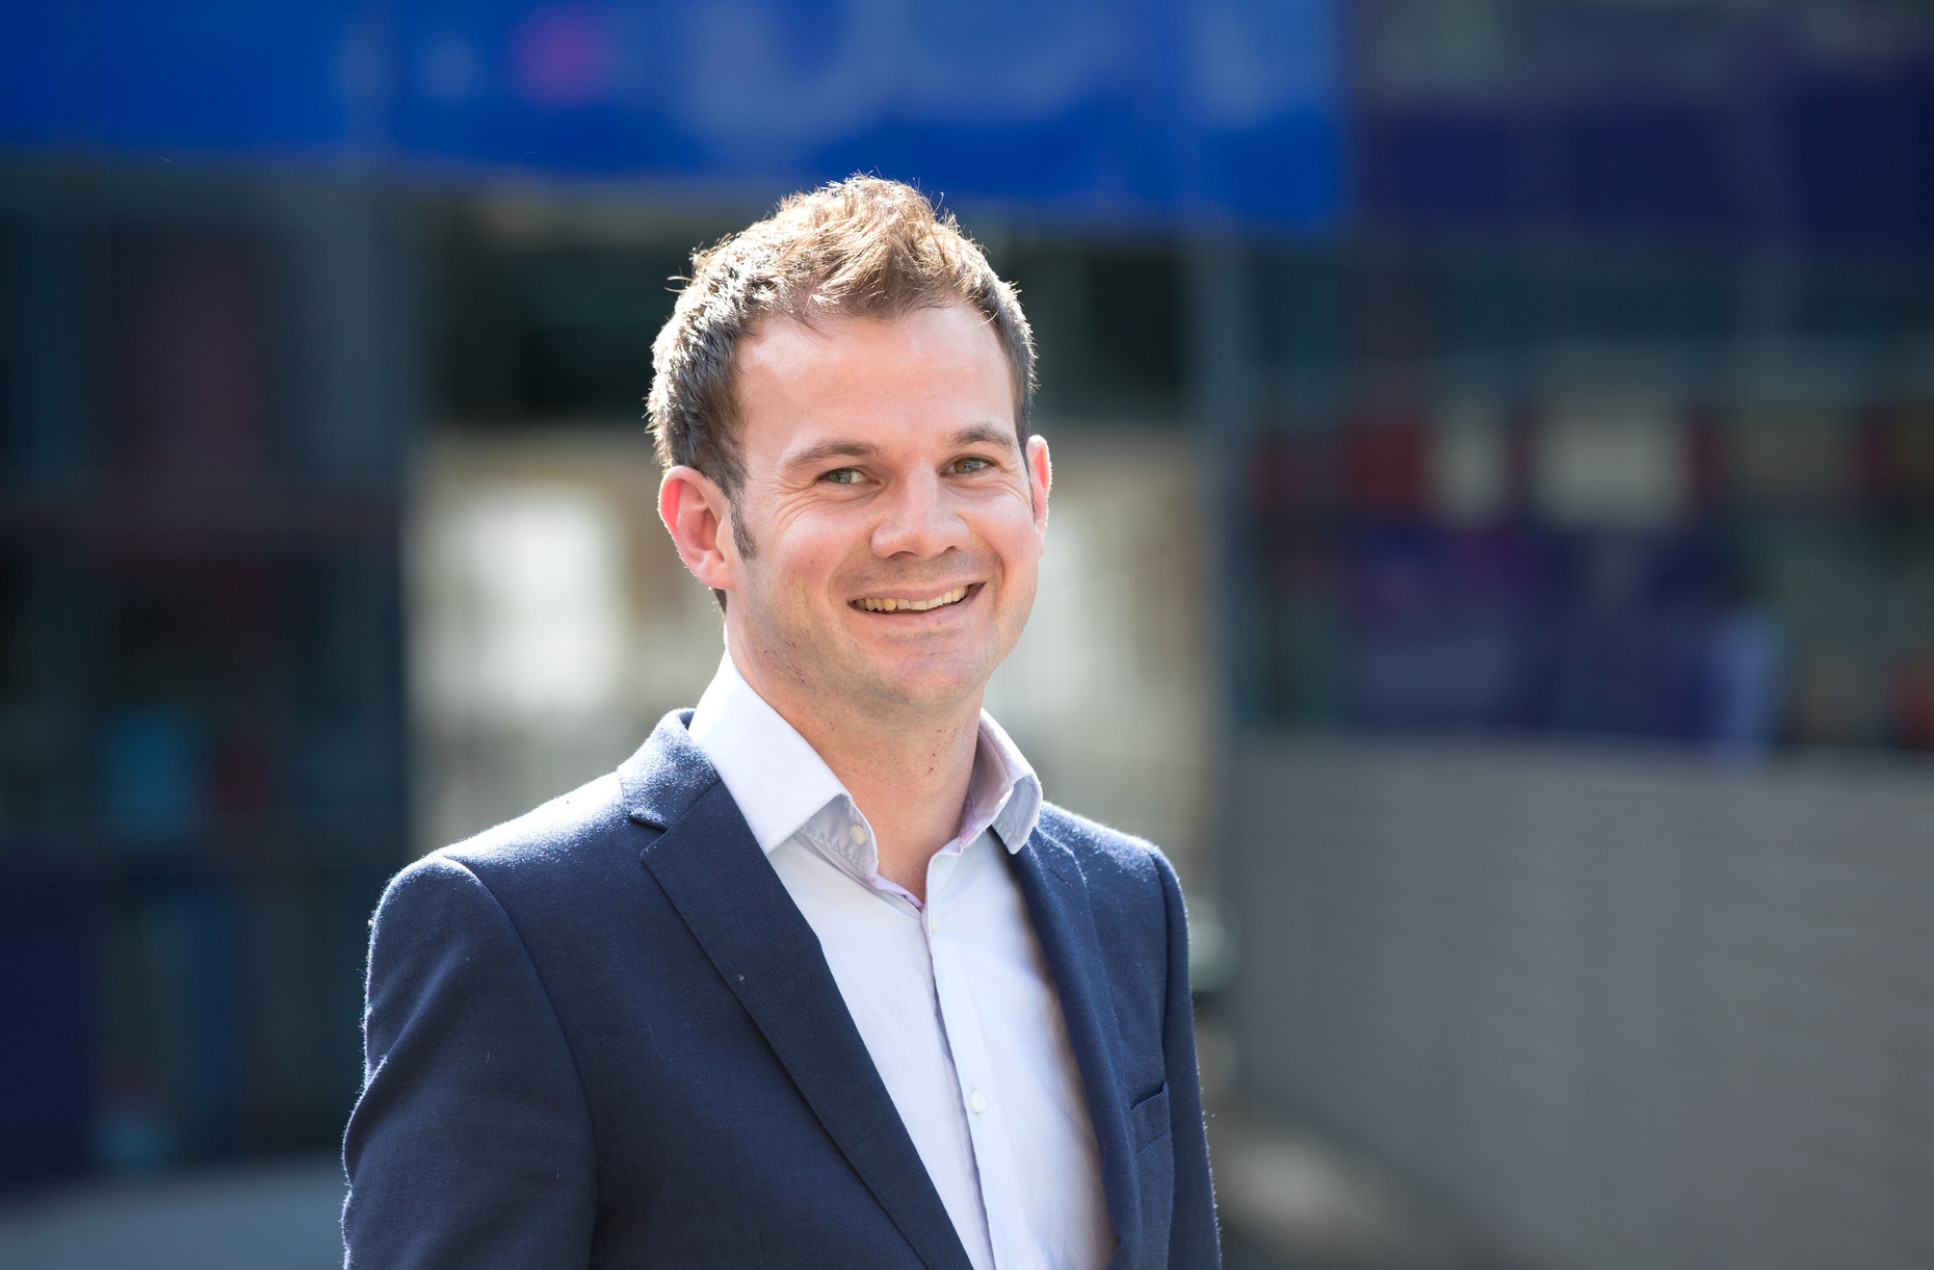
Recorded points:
(666,775)
(712,870)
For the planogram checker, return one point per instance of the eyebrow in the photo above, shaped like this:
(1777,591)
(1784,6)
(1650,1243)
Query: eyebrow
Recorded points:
(973,434)
(986,434)
(834,450)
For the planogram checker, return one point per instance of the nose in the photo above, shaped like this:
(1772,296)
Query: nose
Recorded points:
(917,519)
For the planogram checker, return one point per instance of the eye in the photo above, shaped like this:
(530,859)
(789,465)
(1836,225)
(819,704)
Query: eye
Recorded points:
(844,476)
(971,463)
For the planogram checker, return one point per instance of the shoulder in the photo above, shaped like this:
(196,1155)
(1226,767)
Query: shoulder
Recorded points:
(1125,875)
(552,836)
(575,842)
(1104,854)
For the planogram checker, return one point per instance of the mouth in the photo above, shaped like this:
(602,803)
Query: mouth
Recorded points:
(894,604)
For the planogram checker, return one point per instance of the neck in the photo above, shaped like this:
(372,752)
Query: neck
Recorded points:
(906,767)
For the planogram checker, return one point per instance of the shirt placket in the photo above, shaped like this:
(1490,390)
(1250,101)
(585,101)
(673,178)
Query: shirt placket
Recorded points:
(983,1102)
(842,837)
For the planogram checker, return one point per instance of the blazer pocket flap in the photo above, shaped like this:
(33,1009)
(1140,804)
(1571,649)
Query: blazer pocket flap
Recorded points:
(1148,1119)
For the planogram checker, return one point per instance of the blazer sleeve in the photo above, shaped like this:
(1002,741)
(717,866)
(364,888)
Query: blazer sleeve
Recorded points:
(471,1145)
(1193,1241)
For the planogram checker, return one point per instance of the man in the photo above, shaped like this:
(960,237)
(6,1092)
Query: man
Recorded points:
(815,979)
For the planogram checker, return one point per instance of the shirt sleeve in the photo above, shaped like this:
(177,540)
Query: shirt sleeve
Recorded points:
(471,1144)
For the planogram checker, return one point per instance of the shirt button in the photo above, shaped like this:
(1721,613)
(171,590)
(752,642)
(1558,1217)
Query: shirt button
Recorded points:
(976,1102)
(858,833)
(933,923)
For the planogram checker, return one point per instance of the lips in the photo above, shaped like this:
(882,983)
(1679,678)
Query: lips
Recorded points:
(889,604)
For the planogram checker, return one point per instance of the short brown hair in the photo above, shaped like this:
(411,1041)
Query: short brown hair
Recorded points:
(862,247)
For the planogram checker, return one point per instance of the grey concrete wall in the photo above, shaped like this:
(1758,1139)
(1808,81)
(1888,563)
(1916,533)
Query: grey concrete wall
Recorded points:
(1624,1011)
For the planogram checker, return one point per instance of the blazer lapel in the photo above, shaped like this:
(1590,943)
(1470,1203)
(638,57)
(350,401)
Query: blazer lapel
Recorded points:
(711,868)
(1057,899)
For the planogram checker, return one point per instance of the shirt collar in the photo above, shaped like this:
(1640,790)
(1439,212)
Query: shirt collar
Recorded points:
(780,782)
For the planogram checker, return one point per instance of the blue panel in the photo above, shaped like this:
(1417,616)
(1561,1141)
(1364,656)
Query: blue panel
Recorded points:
(38,74)
(1209,109)
(1149,109)
(46,1082)
(1445,165)
(1861,150)
(1645,166)
(214,74)
(193,75)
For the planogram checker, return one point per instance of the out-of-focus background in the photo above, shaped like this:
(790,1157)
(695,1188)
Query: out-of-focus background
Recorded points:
(1493,551)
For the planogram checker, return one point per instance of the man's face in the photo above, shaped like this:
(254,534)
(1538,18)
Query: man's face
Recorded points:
(895,522)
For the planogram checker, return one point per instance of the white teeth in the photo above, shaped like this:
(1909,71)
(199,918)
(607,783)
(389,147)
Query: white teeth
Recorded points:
(954,596)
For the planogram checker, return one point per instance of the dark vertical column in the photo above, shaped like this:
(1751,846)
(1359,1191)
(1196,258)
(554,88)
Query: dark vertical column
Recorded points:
(1225,381)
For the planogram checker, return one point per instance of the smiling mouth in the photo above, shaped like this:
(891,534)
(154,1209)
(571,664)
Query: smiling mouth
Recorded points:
(881,605)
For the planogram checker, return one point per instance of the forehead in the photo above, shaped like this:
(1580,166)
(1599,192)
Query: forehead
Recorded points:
(942,367)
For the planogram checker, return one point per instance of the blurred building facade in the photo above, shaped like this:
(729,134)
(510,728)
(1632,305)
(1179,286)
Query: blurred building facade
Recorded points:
(207,401)
(1616,416)
(1583,631)
(1500,432)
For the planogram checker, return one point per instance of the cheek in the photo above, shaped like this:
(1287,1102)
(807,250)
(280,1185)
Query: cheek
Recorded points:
(1020,556)
(1015,535)
(809,561)
(1030,570)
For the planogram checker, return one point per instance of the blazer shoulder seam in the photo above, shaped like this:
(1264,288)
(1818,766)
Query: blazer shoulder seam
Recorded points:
(1085,838)
(537,973)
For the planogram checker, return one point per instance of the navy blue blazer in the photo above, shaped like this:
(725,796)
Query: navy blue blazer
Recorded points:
(603,1035)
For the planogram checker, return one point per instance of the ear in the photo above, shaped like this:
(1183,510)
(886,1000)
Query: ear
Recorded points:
(697,515)
(1040,475)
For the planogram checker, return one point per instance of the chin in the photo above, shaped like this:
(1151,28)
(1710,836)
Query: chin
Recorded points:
(928,684)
